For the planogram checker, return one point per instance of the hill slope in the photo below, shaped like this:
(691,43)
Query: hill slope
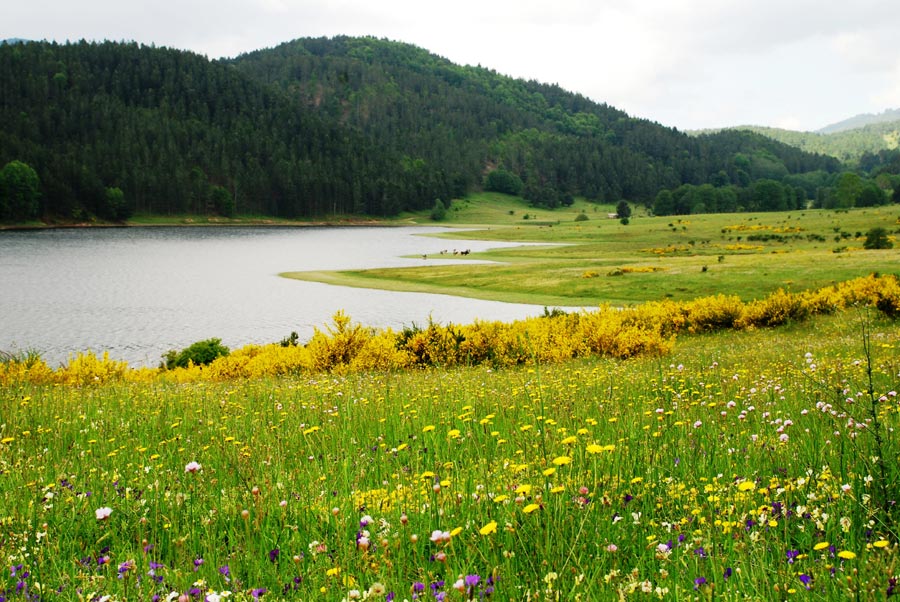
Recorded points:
(861,121)
(320,126)
(849,145)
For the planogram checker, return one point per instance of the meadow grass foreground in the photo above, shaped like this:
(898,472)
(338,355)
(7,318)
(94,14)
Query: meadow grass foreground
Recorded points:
(757,464)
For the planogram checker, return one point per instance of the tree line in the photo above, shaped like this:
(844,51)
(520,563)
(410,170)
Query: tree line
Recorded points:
(330,126)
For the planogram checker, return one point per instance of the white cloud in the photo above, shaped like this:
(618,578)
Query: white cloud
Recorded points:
(889,95)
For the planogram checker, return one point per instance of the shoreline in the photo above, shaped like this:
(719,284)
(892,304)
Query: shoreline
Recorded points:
(188,222)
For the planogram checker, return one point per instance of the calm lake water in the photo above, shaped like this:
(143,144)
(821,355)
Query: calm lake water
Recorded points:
(138,292)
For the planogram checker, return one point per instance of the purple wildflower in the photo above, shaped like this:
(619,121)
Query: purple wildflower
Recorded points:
(273,555)
(198,562)
(806,580)
(699,581)
(727,573)
(792,555)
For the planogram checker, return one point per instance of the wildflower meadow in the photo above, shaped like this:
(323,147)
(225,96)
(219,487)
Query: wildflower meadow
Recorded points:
(740,452)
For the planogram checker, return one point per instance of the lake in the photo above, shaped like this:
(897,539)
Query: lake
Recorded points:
(138,292)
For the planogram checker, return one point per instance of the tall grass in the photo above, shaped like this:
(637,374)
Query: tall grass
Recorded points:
(739,466)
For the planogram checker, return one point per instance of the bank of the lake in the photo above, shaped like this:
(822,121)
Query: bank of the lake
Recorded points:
(594,259)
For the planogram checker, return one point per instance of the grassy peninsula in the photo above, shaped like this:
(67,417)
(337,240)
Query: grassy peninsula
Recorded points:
(591,258)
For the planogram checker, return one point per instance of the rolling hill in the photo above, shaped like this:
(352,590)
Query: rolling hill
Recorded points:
(332,126)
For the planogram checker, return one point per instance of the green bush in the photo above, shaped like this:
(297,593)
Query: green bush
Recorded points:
(200,353)
(877,238)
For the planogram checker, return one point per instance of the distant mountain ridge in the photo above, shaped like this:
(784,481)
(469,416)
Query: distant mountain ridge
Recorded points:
(850,145)
(860,121)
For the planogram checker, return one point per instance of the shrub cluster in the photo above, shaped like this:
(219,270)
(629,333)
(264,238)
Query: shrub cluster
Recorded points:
(645,329)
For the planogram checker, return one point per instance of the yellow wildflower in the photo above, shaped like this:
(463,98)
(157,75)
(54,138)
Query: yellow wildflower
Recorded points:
(489,528)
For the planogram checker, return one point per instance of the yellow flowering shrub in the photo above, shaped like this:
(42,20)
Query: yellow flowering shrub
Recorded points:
(555,338)
(18,371)
(665,317)
(436,346)
(882,292)
(713,313)
(621,333)
(778,308)
(496,343)
(648,328)
(339,345)
(87,368)
(380,353)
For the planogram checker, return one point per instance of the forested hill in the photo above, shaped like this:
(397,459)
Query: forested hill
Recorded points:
(861,145)
(323,126)
(861,121)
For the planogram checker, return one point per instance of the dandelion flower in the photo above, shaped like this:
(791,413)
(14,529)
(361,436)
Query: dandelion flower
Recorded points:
(562,460)
(846,555)
(489,528)
(530,508)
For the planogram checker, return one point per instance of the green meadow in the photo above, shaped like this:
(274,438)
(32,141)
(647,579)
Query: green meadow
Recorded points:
(734,464)
(756,465)
(600,260)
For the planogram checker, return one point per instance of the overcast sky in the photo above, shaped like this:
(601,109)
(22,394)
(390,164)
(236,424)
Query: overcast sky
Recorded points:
(800,64)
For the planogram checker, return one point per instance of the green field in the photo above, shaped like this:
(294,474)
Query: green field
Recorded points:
(604,261)
(756,465)
(743,463)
